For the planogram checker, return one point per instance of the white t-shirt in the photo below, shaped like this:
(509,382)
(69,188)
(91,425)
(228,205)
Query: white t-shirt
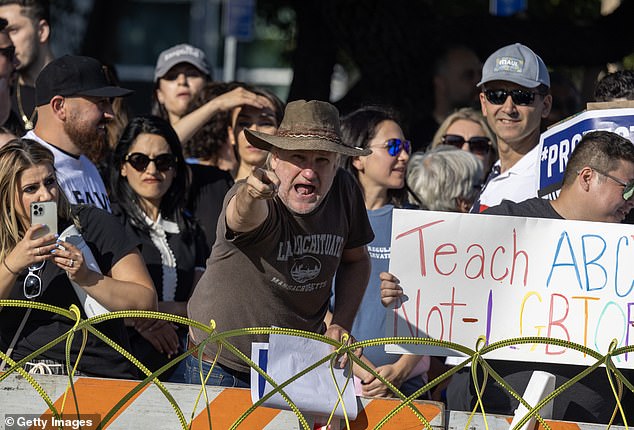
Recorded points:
(517,184)
(77,176)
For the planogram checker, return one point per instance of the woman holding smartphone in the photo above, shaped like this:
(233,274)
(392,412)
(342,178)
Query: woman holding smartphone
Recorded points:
(41,269)
(148,182)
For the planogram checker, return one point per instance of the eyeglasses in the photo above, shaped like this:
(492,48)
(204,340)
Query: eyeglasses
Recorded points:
(8,52)
(395,146)
(477,144)
(519,97)
(628,188)
(32,286)
(163,162)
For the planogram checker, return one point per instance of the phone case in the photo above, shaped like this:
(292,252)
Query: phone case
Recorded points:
(44,213)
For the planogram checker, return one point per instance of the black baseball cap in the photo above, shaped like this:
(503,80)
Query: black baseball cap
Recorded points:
(73,75)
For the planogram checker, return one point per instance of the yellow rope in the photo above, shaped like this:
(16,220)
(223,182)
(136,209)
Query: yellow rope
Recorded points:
(344,346)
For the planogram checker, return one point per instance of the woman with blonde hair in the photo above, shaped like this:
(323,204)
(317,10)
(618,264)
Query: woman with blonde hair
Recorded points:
(468,130)
(41,268)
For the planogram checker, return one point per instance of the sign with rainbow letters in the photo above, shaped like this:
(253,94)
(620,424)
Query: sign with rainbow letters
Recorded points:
(467,275)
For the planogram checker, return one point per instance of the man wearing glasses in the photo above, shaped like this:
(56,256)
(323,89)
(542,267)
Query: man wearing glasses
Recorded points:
(598,186)
(515,97)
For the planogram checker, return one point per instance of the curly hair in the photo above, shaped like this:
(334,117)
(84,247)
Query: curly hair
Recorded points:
(207,141)
(617,85)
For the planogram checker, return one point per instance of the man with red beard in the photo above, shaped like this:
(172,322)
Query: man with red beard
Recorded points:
(72,95)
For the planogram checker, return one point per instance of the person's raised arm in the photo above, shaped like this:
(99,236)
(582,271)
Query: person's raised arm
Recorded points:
(189,124)
(248,208)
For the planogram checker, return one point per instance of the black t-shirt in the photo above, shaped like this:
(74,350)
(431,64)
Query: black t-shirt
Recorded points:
(109,243)
(14,124)
(206,193)
(27,96)
(589,400)
(280,273)
(531,208)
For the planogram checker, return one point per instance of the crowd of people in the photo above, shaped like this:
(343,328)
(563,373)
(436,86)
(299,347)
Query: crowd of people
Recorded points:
(225,204)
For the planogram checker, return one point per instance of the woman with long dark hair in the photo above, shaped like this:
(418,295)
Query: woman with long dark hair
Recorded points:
(148,182)
(381,176)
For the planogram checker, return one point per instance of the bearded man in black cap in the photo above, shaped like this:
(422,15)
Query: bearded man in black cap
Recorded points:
(283,235)
(72,95)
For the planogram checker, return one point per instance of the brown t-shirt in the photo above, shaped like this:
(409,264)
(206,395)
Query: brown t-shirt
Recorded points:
(281,273)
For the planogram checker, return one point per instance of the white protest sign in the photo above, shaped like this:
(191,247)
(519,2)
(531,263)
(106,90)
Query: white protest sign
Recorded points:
(315,392)
(469,275)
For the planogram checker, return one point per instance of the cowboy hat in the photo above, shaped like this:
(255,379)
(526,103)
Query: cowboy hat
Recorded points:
(307,126)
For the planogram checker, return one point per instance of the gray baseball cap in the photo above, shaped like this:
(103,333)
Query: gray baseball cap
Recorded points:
(182,53)
(515,63)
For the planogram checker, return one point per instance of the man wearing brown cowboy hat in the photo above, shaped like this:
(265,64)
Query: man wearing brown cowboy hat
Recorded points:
(282,236)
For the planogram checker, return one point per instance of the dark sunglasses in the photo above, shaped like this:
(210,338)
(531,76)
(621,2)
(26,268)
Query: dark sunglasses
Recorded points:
(32,286)
(628,188)
(8,52)
(395,146)
(163,162)
(519,97)
(477,144)
(192,72)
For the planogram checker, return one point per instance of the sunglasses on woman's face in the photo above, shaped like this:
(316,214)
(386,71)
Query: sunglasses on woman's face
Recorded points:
(395,146)
(32,286)
(163,162)
(477,144)
(519,97)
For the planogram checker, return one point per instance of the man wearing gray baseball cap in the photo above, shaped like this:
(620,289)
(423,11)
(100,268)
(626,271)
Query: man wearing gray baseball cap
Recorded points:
(515,97)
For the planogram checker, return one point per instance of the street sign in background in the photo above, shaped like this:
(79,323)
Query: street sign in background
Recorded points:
(238,19)
(506,7)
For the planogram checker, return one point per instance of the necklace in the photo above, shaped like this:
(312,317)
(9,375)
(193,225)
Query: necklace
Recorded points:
(28,122)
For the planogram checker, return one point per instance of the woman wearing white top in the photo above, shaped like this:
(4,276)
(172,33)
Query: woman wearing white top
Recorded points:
(148,183)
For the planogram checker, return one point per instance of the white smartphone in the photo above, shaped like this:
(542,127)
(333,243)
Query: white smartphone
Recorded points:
(44,213)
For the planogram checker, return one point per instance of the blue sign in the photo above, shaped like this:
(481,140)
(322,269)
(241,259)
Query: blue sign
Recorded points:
(506,7)
(238,19)
(557,143)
